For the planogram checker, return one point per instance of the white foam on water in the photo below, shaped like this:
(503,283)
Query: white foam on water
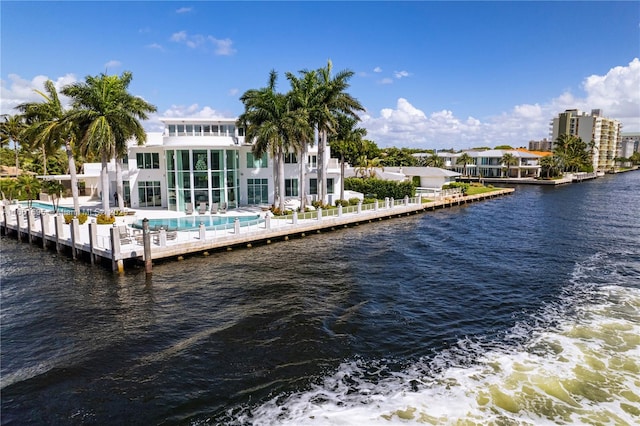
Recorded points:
(576,362)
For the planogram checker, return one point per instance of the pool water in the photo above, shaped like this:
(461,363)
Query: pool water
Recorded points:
(45,206)
(193,222)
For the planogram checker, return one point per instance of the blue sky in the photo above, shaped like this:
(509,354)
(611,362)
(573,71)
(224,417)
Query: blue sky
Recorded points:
(430,74)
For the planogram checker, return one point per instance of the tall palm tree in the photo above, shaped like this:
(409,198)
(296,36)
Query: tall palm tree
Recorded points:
(49,129)
(434,160)
(11,130)
(464,159)
(270,126)
(108,115)
(332,99)
(508,160)
(301,101)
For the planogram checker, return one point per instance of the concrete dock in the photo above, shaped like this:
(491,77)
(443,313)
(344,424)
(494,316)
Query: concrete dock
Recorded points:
(120,244)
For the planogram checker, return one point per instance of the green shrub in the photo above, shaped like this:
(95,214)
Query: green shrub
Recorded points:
(82,218)
(380,188)
(369,201)
(103,219)
(354,201)
(343,203)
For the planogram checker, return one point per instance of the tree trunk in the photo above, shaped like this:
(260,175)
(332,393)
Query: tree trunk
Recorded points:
(44,160)
(74,177)
(281,185)
(342,177)
(119,184)
(322,181)
(303,178)
(15,146)
(104,176)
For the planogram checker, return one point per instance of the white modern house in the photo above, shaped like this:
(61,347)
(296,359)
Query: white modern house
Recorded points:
(208,160)
(488,164)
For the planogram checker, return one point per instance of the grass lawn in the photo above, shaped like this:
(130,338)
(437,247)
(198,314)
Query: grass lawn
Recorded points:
(475,190)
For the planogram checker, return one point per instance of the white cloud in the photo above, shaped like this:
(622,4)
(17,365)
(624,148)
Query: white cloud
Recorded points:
(184,10)
(155,46)
(400,74)
(616,93)
(113,64)
(377,69)
(179,36)
(17,90)
(233,92)
(194,111)
(221,47)
(386,81)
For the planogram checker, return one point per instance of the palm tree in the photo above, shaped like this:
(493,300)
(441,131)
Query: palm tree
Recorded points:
(107,115)
(347,140)
(464,159)
(11,131)
(509,160)
(332,99)
(301,100)
(49,129)
(434,161)
(270,126)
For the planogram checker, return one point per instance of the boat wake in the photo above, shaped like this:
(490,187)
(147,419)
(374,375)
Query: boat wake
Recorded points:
(577,361)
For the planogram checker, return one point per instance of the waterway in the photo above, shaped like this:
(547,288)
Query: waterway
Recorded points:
(520,310)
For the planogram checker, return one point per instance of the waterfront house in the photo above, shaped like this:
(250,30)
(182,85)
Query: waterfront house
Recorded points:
(208,160)
(488,163)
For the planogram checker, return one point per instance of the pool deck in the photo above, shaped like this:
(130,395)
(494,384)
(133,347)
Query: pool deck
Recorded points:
(121,243)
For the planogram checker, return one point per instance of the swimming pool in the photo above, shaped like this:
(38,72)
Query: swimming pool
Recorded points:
(193,222)
(47,207)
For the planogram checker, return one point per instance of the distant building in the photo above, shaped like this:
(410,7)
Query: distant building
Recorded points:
(543,145)
(630,144)
(604,133)
(487,164)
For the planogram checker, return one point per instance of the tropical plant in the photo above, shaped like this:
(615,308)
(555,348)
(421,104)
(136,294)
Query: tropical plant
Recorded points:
(433,160)
(508,160)
(464,159)
(107,116)
(332,99)
(28,188)
(346,141)
(49,128)
(366,167)
(271,126)
(11,131)
(54,188)
(301,99)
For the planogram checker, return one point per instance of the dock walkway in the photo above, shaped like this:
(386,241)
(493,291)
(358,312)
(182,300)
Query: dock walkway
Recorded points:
(120,242)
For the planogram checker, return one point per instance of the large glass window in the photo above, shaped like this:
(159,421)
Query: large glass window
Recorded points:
(329,185)
(149,194)
(290,158)
(148,160)
(216,163)
(258,191)
(256,163)
(313,186)
(291,187)
(313,161)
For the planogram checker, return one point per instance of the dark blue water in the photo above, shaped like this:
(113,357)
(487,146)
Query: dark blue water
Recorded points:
(513,310)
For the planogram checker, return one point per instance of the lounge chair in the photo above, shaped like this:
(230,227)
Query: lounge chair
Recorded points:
(214,208)
(123,233)
(223,207)
(202,209)
(188,208)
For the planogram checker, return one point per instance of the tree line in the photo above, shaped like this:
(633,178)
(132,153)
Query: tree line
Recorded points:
(102,117)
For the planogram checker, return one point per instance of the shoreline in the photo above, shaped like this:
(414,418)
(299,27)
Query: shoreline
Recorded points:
(102,244)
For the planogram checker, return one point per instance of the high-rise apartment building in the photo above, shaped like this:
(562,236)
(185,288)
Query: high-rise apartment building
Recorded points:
(604,133)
